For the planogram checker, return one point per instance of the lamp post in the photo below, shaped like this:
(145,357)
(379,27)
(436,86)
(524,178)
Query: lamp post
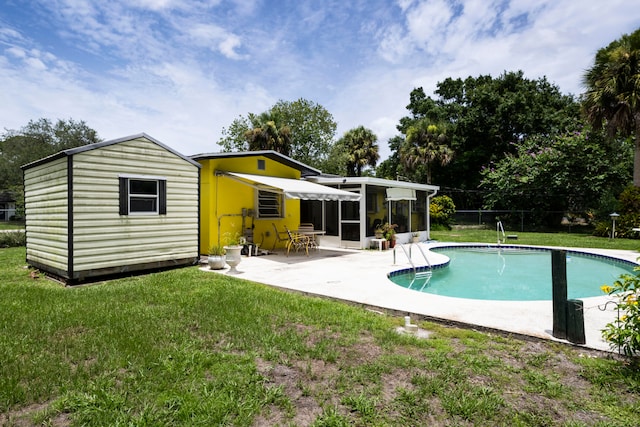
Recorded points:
(614,216)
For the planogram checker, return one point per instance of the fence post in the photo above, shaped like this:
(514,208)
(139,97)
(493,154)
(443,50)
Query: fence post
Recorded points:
(575,321)
(559,288)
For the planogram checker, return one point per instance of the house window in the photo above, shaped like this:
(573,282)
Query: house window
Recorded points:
(270,205)
(143,196)
(372,202)
(261,164)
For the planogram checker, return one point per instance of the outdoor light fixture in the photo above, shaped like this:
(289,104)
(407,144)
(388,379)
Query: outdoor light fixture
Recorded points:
(613,218)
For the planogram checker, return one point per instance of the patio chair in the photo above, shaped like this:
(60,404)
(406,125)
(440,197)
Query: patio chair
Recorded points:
(279,237)
(307,227)
(297,241)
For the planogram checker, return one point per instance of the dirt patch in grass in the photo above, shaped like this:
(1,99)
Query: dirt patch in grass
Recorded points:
(298,383)
(472,382)
(24,417)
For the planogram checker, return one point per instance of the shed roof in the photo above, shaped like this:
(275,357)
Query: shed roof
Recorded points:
(305,170)
(88,147)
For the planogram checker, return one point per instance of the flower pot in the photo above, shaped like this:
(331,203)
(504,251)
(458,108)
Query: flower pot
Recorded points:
(233,257)
(415,239)
(216,262)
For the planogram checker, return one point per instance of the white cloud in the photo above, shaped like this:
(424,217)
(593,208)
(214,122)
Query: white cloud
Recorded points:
(16,52)
(216,38)
(427,23)
(155,4)
(181,71)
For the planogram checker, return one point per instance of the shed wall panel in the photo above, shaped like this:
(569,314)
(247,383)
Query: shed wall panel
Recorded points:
(103,238)
(46,210)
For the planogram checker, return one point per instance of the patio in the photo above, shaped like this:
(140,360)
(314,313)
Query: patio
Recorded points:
(360,276)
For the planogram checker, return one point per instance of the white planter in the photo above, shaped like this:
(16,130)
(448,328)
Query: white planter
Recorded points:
(216,262)
(233,257)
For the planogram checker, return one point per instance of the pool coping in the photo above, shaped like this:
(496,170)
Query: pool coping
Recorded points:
(360,277)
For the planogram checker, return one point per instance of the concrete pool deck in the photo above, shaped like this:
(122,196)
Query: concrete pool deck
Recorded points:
(360,276)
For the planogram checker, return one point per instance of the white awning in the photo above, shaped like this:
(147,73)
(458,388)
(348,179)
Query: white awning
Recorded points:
(295,188)
(396,193)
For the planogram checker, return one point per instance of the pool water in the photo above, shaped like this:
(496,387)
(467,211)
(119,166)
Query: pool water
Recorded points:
(512,274)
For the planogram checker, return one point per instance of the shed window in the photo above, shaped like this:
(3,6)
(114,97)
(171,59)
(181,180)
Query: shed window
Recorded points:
(270,204)
(143,196)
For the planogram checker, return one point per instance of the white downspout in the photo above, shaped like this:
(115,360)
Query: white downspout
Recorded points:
(429,213)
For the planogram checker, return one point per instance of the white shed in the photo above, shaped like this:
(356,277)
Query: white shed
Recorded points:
(112,208)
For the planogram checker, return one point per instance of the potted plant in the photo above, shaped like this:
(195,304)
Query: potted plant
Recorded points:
(415,236)
(216,257)
(389,232)
(233,249)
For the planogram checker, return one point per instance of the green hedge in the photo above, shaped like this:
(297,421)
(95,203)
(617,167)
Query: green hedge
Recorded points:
(11,239)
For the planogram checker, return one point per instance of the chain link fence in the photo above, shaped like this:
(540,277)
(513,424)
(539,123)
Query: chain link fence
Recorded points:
(521,220)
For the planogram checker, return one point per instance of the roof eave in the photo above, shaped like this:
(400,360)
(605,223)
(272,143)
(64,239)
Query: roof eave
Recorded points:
(101,144)
(304,169)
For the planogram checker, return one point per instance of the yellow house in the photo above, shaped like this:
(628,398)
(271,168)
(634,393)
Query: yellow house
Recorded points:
(251,194)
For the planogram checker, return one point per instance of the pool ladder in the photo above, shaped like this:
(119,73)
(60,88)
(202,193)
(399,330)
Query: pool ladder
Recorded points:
(500,228)
(417,275)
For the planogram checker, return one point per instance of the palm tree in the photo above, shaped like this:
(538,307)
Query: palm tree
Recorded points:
(425,145)
(268,135)
(361,148)
(613,92)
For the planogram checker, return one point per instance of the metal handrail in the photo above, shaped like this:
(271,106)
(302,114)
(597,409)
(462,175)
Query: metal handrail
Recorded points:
(408,255)
(423,254)
(499,228)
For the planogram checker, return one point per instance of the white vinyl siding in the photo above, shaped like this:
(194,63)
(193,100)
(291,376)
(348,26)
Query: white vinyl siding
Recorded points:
(46,209)
(105,239)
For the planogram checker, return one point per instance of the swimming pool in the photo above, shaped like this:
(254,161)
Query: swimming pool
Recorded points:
(511,273)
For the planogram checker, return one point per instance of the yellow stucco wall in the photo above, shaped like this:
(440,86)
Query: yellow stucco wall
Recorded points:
(222,199)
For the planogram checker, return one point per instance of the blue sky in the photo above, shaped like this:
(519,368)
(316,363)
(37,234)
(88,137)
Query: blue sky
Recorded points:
(182,70)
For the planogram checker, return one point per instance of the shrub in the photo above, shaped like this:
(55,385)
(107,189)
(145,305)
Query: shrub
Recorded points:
(441,210)
(628,206)
(624,332)
(629,202)
(11,239)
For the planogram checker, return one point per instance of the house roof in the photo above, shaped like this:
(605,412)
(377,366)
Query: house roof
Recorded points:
(305,170)
(88,147)
(388,183)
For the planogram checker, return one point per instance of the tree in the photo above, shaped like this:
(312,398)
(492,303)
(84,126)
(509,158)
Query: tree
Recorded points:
(268,136)
(487,118)
(360,145)
(311,129)
(391,168)
(612,99)
(571,173)
(425,145)
(336,162)
(36,140)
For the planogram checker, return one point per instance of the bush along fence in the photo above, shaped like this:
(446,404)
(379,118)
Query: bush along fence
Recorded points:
(12,238)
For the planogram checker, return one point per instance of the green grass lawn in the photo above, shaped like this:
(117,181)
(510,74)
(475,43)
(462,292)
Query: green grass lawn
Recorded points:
(185,347)
(577,240)
(11,225)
